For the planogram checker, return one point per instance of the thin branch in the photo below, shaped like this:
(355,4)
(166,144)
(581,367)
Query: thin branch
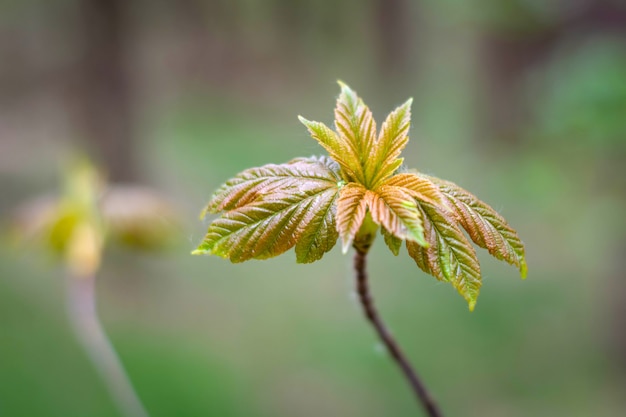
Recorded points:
(82,311)
(394,349)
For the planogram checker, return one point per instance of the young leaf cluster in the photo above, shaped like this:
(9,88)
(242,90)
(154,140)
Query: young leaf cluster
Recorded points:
(308,203)
(89,213)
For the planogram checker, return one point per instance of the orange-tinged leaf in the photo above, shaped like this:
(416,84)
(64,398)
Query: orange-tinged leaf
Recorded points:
(308,203)
(420,187)
(351,210)
(255,183)
(450,257)
(395,209)
(484,225)
(274,208)
(391,141)
(320,234)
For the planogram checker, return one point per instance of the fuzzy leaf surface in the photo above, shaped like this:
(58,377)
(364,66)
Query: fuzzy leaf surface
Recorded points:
(395,209)
(357,129)
(419,187)
(258,183)
(450,257)
(274,208)
(484,225)
(351,210)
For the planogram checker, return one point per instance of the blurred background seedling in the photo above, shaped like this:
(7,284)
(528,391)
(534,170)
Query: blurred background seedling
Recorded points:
(75,226)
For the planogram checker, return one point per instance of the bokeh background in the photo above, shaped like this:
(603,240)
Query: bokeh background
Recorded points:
(521,101)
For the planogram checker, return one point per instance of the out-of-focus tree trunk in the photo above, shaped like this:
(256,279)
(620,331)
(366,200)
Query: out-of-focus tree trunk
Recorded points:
(508,57)
(104,98)
(392,19)
(291,18)
(507,60)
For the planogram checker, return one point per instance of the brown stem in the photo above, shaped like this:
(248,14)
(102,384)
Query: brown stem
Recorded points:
(82,311)
(394,349)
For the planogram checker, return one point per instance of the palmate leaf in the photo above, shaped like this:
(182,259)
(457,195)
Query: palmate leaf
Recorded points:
(274,208)
(353,141)
(310,202)
(450,257)
(391,205)
(483,224)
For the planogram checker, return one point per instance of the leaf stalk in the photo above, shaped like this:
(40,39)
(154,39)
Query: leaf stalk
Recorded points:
(367,302)
(81,306)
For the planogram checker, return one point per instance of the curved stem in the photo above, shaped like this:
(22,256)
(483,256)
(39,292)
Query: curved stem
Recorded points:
(84,317)
(394,349)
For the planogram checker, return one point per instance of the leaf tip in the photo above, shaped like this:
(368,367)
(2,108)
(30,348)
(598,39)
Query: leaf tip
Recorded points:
(345,245)
(523,269)
(471,304)
(419,238)
(308,123)
(198,252)
(345,88)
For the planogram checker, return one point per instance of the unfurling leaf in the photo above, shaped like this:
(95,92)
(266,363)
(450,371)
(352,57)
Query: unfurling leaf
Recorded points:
(310,202)
(450,257)
(274,208)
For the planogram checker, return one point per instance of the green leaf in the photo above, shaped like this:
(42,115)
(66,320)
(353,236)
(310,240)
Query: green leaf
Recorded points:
(274,208)
(485,226)
(354,121)
(335,147)
(391,141)
(393,243)
(450,257)
(356,126)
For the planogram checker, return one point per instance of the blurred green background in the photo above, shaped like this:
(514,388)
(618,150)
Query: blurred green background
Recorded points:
(522,102)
